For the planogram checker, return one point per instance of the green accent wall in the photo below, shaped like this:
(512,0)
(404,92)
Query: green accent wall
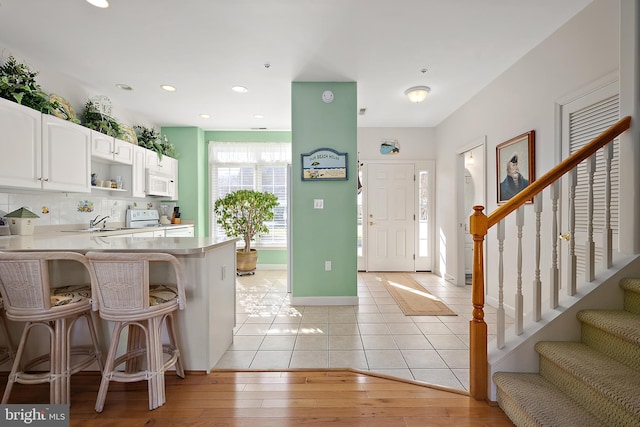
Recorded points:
(328,234)
(193,194)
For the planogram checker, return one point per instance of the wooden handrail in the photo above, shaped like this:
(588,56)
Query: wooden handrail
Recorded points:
(554,174)
(479,227)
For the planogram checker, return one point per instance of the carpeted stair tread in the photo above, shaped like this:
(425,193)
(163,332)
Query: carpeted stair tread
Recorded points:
(621,324)
(631,284)
(631,287)
(531,400)
(617,382)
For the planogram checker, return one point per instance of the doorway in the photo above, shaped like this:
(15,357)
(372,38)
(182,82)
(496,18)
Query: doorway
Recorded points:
(472,181)
(398,216)
(582,120)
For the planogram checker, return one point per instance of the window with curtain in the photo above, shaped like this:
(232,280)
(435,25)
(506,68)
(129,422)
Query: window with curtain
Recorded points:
(260,166)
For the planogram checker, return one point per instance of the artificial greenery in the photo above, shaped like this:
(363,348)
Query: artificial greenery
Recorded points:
(244,213)
(150,138)
(94,119)
(18,84)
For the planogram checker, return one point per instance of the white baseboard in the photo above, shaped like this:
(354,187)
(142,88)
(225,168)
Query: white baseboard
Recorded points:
(271,267)
(324,300)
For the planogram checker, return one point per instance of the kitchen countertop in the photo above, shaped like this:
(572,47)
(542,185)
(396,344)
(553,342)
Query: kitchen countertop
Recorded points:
(110,241)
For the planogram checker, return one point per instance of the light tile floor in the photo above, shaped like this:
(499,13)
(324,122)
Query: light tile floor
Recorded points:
(374,335)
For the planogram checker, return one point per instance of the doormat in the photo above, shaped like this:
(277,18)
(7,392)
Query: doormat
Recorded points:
(413,298)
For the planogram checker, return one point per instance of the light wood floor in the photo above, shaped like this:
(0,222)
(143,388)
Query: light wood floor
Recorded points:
(270,399)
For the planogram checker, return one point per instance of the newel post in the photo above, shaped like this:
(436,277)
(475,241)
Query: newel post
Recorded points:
(479,368)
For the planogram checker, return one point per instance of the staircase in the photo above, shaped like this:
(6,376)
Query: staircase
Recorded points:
(594,382)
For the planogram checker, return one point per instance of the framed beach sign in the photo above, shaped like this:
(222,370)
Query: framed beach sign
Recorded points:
(324,164)
(515,165)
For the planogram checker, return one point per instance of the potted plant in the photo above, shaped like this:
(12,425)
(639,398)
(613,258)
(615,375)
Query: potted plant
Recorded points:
(97,120)
(150,138)
(18,84)
(243,213)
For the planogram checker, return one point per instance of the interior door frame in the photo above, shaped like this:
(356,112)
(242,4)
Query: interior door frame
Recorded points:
(596,90)
(463,219)
(362,263)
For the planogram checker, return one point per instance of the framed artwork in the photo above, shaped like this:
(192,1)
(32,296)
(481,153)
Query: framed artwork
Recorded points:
(515,165)
(324,164)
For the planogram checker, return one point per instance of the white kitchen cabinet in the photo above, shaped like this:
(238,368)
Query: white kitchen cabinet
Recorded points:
(21,145)
(133,176)
(110,149)
(42,152)
(66,155)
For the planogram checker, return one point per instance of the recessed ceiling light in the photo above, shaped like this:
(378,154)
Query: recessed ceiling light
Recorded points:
(99,3)
(123,86)
(205,116)
(259,116)
(168,88)
(240,89)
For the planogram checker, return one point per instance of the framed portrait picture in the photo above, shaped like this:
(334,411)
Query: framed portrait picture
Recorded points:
(515,165)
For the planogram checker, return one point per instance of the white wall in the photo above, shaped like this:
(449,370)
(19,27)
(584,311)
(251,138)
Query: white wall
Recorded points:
(415,144)
(521,99)
(76,92)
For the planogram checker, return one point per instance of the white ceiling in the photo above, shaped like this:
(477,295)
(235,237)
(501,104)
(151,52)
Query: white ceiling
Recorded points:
(204,47)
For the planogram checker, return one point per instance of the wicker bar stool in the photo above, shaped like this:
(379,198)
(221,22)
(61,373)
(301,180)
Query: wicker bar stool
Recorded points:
(120,281)
(28,297)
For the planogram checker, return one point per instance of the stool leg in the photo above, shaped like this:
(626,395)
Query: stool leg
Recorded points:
(171,331)
(16,362)
(154,355)
(108,366)
(59,363)
(5,331)
(94,340)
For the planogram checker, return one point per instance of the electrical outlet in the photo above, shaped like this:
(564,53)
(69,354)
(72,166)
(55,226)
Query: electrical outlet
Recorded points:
(318,203)
(327,266)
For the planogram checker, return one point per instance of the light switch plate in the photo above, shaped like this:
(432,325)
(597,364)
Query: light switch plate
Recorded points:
(318,203)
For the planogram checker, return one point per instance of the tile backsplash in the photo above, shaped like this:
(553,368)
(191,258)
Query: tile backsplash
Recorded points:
(72,208)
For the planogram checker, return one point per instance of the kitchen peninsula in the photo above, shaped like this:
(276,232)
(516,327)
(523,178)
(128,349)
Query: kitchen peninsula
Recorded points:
(205,327)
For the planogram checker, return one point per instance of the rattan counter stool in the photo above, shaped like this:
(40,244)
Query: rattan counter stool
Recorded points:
(120,282)
(28,297)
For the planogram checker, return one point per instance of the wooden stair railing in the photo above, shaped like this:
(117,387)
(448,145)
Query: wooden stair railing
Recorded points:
(479,227)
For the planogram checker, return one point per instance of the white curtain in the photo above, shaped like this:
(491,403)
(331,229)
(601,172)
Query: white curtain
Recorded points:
(249,152)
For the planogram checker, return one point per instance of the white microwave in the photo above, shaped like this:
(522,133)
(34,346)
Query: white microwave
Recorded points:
(159,184)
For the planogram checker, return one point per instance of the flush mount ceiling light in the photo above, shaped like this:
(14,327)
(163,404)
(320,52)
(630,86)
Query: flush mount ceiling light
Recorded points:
(99,3)
(205,116)
(417,93)
(240,89)
(258,116)
(168,88)
(123,86)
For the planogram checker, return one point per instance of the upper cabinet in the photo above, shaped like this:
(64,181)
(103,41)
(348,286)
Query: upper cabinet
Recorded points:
(21,144)
(107,148)
(66,155)
(42,151)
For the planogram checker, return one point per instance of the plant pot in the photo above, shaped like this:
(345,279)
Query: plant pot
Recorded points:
(246,261)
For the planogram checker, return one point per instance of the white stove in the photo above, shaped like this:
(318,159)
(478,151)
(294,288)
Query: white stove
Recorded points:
(142,218)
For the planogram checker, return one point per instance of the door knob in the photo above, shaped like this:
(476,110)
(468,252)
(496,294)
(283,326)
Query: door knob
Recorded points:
(371,222)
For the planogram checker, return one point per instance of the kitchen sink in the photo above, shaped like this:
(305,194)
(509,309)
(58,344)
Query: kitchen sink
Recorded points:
(98,229)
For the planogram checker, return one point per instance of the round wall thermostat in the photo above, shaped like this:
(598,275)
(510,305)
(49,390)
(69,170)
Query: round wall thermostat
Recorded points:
(327,96)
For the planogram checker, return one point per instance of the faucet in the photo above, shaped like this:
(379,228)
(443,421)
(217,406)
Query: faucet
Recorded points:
(96,222)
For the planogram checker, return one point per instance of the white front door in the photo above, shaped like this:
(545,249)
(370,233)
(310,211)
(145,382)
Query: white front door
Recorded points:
(582,121)
(390,218)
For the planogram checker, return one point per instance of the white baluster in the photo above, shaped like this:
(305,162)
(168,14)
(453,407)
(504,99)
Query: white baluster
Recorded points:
(519,298)
(537,285)
(500,312)
(573,264)
(607,244)
(555,272)
(590,249)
